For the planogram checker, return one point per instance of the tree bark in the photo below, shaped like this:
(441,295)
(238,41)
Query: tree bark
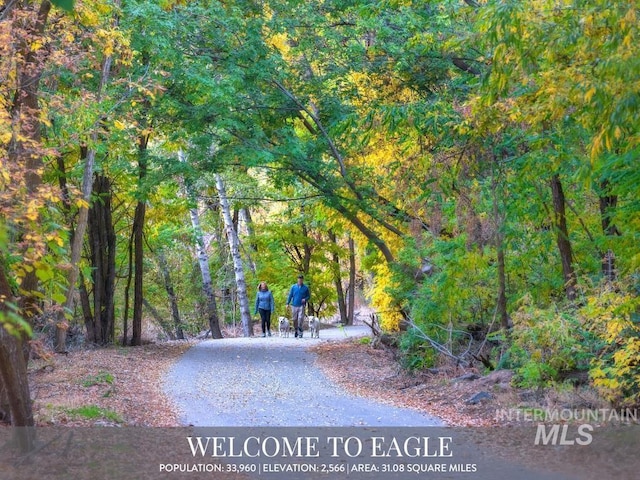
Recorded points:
(207,284)
(102,243)
(168,286)
(562,237)
(351,306)
(138,245)
(127,291)
(337,279)
(87,313)
(608,204)
(498,220)
(13,372)
(245,216)
(238,268)
(203,262)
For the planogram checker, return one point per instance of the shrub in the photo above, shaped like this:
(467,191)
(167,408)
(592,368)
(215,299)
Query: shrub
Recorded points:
(416,353)
(613,317)
(546,343)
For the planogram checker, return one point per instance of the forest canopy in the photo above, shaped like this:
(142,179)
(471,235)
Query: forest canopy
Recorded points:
(465,165)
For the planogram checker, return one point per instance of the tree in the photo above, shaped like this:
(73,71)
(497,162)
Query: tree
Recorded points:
(203,261)
(100,323)
(337,278)
(79,231)
(13,365)
(168,285)
(238,268)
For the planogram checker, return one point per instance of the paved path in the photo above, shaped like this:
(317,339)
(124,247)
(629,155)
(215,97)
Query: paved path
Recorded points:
(273,381)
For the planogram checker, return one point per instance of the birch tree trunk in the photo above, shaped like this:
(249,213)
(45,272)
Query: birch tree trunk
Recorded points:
(245,216)
(203,262)
(238,268)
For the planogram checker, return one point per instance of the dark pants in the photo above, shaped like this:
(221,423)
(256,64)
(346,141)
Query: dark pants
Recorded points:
(297,316)
(265,315)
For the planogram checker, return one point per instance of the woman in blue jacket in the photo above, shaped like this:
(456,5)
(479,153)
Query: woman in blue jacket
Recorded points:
(265,304)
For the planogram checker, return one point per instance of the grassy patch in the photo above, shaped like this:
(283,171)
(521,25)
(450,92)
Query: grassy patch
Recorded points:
(99,379)
(93,412)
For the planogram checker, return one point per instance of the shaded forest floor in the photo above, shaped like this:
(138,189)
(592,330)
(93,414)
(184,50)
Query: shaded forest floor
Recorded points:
(375,373)
(107,386)
(449,393)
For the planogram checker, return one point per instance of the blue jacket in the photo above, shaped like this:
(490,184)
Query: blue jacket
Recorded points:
(297,294)
(264,300)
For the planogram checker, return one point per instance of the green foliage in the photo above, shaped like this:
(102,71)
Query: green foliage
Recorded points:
(64,4)
(99,379)
(461,289)
(417,355)
(13,323)
(612,315)
(545,344)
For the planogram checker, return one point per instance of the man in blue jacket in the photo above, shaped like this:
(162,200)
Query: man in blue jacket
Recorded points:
(298,297)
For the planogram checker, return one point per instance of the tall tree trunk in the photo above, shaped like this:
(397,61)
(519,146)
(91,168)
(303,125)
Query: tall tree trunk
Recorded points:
(238,268)
(203,262)
(5,408)
(351,307)
(608,204)
(207,284)
(168,286)
(138,245)
(83,218)
(245,216)
(498,220)
(502,289)
(102,243)
(87,313)
(127,291)
(13,372)
(562,237)
(337,278)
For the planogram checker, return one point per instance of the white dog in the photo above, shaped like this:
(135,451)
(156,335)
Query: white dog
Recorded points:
(314,327)
(284,326)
